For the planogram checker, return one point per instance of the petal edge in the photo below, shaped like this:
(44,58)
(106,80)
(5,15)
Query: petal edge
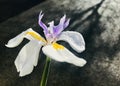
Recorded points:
(75,40)
(63,55)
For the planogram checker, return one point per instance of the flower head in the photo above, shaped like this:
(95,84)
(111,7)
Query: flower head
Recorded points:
(28,56)
(52,32)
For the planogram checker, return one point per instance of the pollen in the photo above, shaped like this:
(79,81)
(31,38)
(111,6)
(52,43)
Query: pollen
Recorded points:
(36,36)
(58,46)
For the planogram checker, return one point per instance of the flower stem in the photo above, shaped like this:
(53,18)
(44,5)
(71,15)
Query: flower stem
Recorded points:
(45,72)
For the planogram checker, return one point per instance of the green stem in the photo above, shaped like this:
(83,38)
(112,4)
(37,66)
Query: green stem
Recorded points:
(45,72)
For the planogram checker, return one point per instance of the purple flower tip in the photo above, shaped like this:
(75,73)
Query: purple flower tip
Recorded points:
(52,29)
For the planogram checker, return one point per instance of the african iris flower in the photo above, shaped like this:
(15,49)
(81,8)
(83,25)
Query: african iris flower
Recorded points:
(28,55)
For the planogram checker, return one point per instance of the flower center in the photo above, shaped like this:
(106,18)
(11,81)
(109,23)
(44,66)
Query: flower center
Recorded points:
(50,41)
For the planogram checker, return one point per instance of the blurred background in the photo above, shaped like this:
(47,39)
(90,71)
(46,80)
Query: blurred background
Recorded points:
(10,8)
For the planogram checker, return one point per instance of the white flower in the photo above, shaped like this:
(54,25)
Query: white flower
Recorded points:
(28,56)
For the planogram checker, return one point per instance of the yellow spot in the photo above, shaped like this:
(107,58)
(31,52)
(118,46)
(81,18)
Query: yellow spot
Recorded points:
(36,36)
(57,46)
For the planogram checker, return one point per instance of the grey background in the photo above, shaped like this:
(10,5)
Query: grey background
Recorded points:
(97,20)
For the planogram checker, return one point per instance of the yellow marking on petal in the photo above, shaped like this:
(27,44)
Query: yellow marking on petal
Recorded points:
(36,36)
(57,46)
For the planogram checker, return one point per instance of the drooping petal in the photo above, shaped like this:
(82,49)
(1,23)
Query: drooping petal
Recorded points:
(17,40)
(29,34)
(61,54)
(75,40)
(42,24)
(28,57)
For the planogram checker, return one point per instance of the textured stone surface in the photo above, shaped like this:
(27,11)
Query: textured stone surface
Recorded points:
(97,20)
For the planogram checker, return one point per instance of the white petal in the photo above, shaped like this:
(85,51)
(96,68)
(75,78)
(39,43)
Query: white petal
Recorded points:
(63,55)
(52,53)
(33,35)
(75,40)
(28,57)
(15,41)
(19,38)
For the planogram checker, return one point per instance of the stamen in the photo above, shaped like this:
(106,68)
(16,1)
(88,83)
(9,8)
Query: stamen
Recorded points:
(36,36)
(57,46)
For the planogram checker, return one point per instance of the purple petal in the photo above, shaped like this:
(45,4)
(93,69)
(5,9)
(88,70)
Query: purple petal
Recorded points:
(61,26)
(42,24)
(66,23)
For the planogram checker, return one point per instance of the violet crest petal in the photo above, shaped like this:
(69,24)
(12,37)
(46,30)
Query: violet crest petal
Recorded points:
(66,23)
(60,27)
(41,23)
